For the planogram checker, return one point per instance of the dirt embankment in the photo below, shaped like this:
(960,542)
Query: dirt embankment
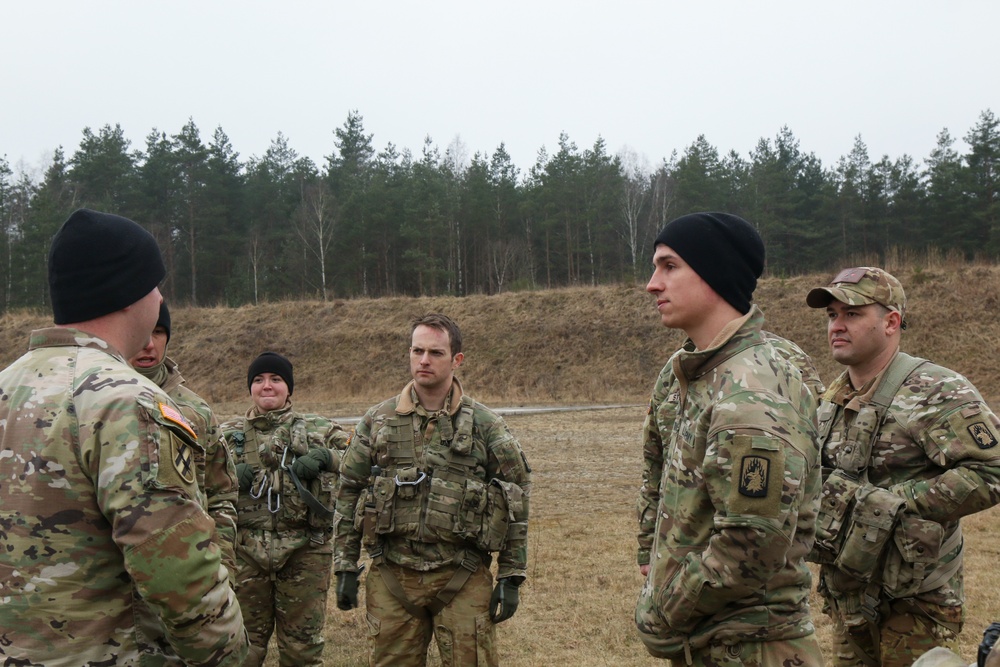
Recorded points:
(594,344)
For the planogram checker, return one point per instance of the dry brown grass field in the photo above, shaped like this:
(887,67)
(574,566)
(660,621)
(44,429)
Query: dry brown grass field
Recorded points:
(562,347)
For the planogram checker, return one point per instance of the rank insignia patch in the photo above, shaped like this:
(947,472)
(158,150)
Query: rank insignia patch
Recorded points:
(754,472)
(982,435)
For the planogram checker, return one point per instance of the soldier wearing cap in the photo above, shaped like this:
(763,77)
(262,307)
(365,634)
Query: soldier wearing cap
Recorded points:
(908,449)
(99,499)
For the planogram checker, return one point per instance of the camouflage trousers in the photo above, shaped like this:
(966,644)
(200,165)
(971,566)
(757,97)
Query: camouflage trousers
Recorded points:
(903,636)
(463,629)
(802,652)
(281,583)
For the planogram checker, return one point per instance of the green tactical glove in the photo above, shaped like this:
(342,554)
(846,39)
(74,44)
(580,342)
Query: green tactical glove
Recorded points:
(244,474)
(311,464)
(347,590)
(503,602)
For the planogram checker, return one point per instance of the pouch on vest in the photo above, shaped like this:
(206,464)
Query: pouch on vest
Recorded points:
(384,490)
(408,479)
(836,503)
(871,527)
(324,489)
(502,500)
(471,509)
(913,553)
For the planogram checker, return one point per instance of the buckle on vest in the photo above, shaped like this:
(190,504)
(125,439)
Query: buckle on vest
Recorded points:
(470,563)
(870,608)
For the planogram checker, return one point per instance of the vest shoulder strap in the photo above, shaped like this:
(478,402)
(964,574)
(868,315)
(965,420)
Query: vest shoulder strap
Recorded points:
(866,427)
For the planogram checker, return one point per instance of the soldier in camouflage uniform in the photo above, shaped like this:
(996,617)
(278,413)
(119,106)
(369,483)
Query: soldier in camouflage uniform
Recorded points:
(286,464)
(897,479)
(99,499)
(652,470)
(432,483)
(216,472)
(731,435)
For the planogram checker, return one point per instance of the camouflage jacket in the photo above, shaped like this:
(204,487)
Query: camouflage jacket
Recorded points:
(652,471)
(737,497)
(427,531)
(270,442)
(216,472)
(99,503)
(937,448)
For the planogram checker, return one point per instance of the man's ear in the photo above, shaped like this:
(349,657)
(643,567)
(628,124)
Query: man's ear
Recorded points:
(456,361)
(893,322)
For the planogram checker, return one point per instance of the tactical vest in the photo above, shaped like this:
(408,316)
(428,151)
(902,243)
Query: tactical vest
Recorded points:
(865,530)
(439,498)
(273,502)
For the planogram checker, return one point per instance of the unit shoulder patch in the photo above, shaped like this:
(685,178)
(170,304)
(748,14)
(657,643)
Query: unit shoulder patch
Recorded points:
(754,476)
(982,434)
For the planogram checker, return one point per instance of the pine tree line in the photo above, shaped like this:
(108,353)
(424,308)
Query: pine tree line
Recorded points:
(370,224)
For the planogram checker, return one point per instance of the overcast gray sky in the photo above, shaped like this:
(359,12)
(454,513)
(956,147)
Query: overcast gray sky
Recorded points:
(650,76)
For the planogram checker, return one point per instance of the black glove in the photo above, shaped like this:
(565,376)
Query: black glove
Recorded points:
(244,475)
(313,462)
(503,602)
(347,590)
(990,636)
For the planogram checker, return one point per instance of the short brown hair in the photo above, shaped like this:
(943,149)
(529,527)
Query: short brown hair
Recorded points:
(441,323)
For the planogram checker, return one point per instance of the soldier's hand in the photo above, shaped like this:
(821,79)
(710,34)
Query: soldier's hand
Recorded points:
(244,475)
(503,602)
(347,590)
(313,462)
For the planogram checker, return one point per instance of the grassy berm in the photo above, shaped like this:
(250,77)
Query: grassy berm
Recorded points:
(601,345)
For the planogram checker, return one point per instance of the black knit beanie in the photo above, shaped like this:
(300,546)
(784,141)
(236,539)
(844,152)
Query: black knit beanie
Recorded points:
(100,263)
(724,249)
(271,362)
(164,319)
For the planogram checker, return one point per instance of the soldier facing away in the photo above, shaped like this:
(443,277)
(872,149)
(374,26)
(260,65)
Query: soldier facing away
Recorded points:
(432,484)
(99,499)
(909,447)
(736,494)
(286,464)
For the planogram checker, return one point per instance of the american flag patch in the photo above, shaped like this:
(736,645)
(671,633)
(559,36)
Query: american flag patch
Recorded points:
(171,413)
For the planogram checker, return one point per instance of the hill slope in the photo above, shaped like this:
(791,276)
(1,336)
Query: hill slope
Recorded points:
(599,344)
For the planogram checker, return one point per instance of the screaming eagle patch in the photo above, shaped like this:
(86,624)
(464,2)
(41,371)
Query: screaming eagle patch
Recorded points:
(754,472)
(982,435)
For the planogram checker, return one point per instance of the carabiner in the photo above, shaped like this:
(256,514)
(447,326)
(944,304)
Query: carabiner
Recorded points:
(284,455)
(277,503)
(260,491)
(422,477)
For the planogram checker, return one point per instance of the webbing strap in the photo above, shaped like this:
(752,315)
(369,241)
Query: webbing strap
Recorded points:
(946,572)
(321,510)
(866,426)
(470,563)
(392,583)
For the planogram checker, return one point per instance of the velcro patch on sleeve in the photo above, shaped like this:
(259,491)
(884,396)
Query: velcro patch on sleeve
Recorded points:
(172,414)
(976,430)
(757,476)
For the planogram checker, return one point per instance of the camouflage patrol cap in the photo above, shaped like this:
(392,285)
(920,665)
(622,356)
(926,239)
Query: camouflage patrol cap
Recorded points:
(860,286)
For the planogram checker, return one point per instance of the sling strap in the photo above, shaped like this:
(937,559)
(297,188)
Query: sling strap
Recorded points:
(469,561)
